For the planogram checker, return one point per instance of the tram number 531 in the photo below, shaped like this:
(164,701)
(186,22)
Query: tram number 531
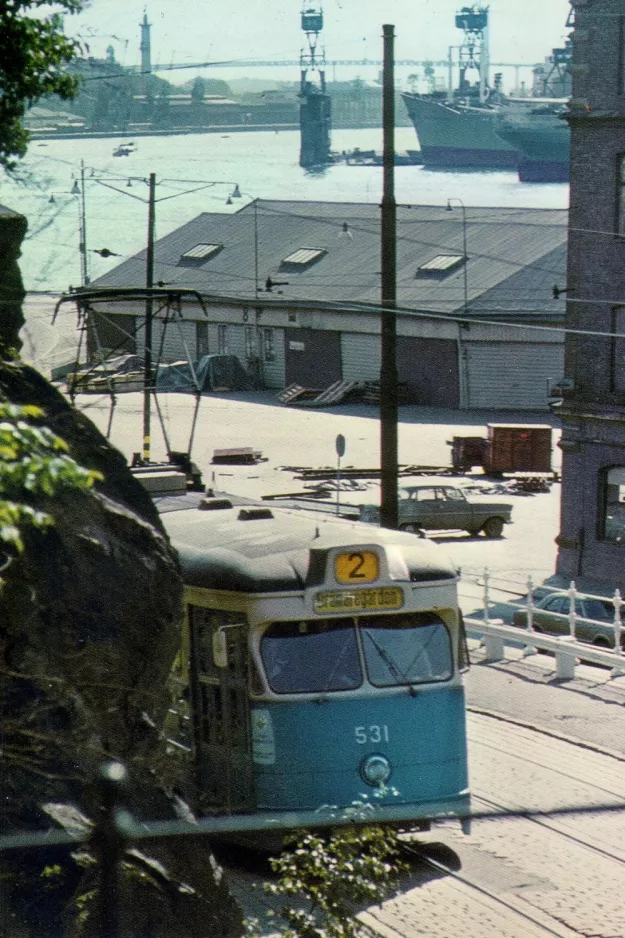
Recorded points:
(371,734)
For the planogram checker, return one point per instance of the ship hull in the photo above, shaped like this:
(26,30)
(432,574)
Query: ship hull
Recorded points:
(543,143)
(457,136)
(542,170)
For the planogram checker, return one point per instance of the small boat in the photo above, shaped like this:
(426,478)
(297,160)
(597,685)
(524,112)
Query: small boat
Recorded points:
(124,149)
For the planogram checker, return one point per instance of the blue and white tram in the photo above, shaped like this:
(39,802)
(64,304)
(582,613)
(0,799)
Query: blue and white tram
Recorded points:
(324,664)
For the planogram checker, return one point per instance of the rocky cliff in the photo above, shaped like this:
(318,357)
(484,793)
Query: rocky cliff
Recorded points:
(90,613)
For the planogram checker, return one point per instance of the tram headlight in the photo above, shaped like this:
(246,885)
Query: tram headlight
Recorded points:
(375,770)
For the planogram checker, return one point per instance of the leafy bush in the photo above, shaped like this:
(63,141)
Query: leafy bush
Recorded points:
(333,874)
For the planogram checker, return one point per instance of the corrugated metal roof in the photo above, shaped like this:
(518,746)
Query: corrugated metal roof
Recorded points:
(509,250)
(7,212)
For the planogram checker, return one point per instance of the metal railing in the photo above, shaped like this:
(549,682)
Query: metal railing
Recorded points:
(568,650)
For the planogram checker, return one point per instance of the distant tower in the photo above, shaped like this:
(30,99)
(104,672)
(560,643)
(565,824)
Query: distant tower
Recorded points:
(314,110)
(146,63)
(473,50)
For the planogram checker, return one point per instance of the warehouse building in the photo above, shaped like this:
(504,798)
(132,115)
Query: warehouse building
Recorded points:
(293,290)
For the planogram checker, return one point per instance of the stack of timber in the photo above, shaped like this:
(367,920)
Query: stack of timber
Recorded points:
(86,383)
(340,392)
(370,392)
(236,456)
(295,394)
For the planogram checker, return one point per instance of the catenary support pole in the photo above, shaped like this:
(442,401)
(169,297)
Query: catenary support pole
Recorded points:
(149,310)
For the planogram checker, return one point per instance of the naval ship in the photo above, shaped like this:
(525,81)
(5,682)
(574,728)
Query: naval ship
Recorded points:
(469,127)
(540,133)
(457,128)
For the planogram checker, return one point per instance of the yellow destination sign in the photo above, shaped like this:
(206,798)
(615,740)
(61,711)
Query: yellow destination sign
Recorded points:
(356,566)
(385,597)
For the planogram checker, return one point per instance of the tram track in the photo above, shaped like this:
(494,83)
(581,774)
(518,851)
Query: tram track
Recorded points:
(398,916)
(558,929)
(555,826)
(516,876)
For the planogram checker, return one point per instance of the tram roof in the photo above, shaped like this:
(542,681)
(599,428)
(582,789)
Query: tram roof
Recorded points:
(231,549)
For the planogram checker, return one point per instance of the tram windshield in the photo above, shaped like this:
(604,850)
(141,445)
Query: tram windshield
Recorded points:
(311,656)
(323,655)
(406,649)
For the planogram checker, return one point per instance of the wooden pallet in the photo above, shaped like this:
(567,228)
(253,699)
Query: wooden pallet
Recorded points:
(336,393)
(295,393)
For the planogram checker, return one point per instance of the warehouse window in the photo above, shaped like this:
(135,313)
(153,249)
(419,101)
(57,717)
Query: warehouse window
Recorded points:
(222,340)
(621,55)
(269,350)
(250,344)
(201,338)
(614,505)
(620,199)
(618,349)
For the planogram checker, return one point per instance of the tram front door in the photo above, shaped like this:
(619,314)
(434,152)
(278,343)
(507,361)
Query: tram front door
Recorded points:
(219,696)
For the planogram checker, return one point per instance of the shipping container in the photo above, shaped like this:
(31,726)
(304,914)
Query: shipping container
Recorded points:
(468,451)
(514,448)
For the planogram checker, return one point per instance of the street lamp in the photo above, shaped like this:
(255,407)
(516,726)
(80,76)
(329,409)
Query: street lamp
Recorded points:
(256,360)
(79,190)
(237,194)
(198,184)
(464,385)
(464,249)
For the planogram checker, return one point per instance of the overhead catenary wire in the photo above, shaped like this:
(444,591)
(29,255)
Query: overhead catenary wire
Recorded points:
(402,238)
(351,306)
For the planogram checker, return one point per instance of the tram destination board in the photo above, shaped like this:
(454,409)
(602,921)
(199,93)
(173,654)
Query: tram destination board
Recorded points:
(385,597)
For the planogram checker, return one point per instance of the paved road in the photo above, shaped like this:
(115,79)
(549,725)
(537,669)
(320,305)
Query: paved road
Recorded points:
(514,877)
(291,437)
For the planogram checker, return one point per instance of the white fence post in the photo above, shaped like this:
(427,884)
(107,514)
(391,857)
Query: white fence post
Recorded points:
(565,664)
(494,648)
(572,591)
(530,604)
(529,607)
(618,605)
(486,595)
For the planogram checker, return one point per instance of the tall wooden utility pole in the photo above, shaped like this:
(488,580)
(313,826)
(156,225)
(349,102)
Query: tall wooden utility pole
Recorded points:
(388,365)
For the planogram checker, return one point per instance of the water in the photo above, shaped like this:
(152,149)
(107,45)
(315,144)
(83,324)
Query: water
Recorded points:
(264,164)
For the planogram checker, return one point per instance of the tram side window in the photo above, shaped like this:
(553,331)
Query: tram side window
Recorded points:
(406,649)
(464,662)
(204,623)
(311,656)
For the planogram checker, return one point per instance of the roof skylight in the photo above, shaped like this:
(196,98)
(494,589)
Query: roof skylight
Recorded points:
(200,253)
(440,265)
(302,258)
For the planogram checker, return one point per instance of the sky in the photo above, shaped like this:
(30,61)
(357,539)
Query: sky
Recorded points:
(190,31)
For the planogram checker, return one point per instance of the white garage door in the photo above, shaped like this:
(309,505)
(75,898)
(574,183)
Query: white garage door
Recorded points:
(360,356)
(511,375)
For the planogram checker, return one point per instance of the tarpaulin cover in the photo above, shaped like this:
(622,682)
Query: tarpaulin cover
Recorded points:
(212,372)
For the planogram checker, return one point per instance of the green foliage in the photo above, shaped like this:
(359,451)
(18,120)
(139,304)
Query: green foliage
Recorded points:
(34,464)
(335,873)
(33,53)
(198,89)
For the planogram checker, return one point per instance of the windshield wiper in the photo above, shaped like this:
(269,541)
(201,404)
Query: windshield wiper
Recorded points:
(392,667)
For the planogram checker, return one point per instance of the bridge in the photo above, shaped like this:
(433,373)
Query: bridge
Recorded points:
(330,63)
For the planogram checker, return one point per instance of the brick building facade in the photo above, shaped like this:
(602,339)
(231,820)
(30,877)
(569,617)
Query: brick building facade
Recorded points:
(592,533)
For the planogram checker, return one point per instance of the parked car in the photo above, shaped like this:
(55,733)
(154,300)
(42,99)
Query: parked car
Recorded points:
(595,622)
(444,507)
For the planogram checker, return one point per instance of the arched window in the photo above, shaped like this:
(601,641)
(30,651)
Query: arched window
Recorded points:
(614,505)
